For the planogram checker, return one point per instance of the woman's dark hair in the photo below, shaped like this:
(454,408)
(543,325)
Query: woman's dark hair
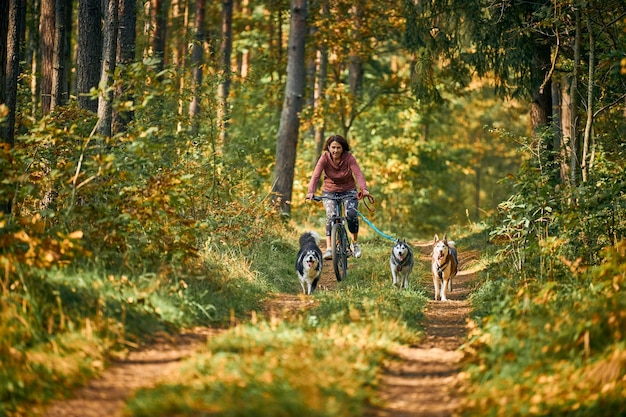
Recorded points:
(339,139)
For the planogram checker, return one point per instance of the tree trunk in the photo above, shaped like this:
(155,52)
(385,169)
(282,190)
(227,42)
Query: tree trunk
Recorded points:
(89,53)
(197,52)
(105,100)
(59,70)
(244,57)
(541,106)
(574,148)
(159,20)
(179,23)
(4,31)
(320,92)
(180,18)
(585,159)
(355,67)
(292,105)
(565,111)
(126,41)
(16,10)
(320,103)
(226,49)
(46,44)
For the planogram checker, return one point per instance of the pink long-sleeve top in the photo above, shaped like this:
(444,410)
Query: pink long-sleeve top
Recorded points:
(337,177)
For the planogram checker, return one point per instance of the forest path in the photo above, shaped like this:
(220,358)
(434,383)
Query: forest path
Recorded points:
(428,380)
(424,382)
(145,367)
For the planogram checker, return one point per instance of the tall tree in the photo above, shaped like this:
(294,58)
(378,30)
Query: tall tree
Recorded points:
(158,14)
(319,94)
(109,51)
(126,41)
(292,105)
(59,89)
(4,30)
(226,48)
(243,60)
(46,45)
(197,54)
(89,52)
(16,11)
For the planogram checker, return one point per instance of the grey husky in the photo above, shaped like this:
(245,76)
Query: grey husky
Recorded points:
(401,263)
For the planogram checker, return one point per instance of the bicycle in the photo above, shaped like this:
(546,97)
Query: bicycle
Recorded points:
(340,242)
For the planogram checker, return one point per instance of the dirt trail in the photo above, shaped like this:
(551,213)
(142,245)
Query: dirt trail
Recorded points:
(422,384)
(428,379)
(105,396)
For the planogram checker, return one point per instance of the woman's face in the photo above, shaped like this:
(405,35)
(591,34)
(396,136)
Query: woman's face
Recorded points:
(335,150)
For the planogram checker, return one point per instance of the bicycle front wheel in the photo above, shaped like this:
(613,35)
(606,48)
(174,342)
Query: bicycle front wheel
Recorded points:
(339,243)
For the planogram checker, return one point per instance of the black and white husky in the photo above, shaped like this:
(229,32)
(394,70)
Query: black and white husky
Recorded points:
(401,263)
(309,262)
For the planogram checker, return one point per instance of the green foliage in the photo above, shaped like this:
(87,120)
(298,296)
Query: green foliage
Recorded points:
(549,313)
(114,239)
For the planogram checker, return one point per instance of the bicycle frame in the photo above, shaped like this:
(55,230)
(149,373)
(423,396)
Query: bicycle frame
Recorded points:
(340,241)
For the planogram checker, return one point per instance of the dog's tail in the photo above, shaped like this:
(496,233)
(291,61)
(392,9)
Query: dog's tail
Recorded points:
(308,236)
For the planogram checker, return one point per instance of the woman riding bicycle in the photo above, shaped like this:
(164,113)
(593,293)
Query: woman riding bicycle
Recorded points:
(341,174)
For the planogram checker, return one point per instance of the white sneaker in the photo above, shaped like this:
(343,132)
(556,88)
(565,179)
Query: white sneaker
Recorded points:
(328,254)
(356,250)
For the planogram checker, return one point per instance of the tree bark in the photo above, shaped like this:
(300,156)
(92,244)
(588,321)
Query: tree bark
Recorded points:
(105,99)
(292,105)
(585,159)
(126,41)
(320,103)
(565,111)
(46,45)
(226,49)
(159,20)
(4,30)
(197,52)
(244,57)
(89,53)
(16,10)
(59,70)
(574,158)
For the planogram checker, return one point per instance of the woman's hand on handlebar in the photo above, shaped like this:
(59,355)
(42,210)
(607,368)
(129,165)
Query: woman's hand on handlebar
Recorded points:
(309,196)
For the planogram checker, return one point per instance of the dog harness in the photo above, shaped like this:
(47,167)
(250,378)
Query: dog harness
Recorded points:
(443,267)
(400,263)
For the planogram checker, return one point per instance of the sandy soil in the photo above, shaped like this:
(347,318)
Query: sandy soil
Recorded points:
(425,382)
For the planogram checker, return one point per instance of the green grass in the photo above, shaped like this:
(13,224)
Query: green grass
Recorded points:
(60,326)
(324,361)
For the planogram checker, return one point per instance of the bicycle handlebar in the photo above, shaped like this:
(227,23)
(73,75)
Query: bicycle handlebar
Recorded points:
(322,197)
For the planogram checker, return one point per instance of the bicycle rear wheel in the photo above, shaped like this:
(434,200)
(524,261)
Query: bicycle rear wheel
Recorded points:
(339,243)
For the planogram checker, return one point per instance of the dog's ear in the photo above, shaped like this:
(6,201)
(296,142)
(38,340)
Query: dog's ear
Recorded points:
(436,238)
(445,238)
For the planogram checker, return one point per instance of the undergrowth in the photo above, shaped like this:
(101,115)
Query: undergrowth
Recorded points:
(549,315)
